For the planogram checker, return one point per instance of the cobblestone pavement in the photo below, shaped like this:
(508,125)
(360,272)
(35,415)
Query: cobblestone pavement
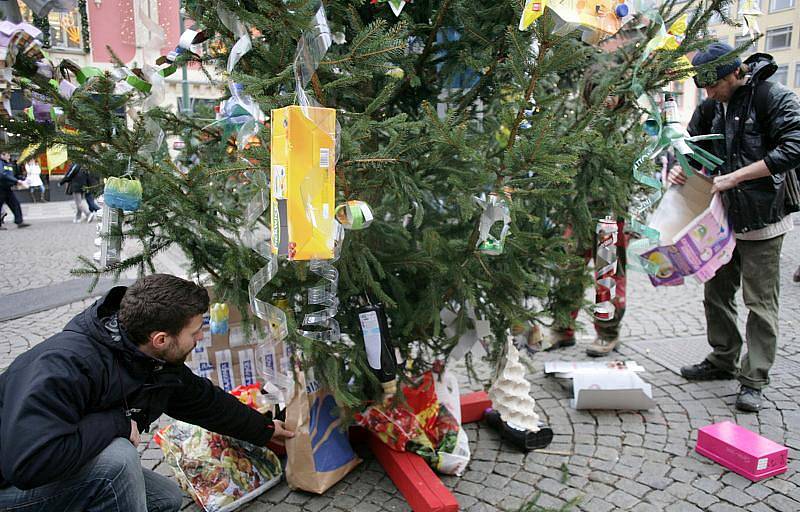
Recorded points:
(642,461)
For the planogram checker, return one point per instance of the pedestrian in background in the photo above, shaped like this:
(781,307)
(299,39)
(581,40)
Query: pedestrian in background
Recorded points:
(33,179)
(8,180)
(77,180)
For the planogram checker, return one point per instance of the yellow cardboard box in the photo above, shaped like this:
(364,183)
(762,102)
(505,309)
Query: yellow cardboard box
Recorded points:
(302,182)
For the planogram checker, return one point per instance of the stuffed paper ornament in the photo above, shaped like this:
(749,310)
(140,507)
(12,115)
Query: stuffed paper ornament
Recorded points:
(513,411)
(219,318)
(123,193)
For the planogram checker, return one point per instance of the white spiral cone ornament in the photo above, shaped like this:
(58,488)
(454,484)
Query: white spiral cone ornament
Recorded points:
(510,394)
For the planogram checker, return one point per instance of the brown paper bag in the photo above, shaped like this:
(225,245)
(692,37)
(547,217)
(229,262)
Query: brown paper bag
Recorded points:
(319,454)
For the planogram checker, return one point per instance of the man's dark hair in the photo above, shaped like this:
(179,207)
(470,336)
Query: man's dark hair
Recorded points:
(160,302)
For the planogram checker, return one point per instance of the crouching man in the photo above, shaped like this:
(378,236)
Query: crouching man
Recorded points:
(72,407)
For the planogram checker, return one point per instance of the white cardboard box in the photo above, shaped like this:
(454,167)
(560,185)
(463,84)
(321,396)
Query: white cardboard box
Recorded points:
(614,389)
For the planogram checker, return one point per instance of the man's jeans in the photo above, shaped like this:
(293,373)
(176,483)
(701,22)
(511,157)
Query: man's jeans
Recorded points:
(756,267)
(114,481)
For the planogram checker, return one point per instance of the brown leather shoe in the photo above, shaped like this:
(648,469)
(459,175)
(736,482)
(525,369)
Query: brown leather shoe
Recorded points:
(601,347)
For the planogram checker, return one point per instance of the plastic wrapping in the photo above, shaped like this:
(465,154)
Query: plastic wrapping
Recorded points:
(219,472)
(243,43)
(422,425)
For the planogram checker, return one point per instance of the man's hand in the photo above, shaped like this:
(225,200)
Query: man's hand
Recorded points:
(724,182)
(280,431)
(134,438)
(676,175)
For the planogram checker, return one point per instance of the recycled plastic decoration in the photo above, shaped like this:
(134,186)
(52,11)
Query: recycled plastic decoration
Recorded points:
(354,215)
(243,43)
(532,11)
(671,134)
(606,268)
(396,5)
(597,19)
(749,11)
(495,209)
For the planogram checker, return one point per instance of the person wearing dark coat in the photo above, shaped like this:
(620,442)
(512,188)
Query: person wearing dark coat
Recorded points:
(760,122)
(72,408)
(9,180)
(78,182)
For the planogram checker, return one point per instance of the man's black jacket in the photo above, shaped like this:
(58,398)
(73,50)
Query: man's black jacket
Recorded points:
(762,121)
(64,401)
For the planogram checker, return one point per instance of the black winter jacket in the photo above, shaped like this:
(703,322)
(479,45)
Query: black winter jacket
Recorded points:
(750,136)
(65,400)
(77,180)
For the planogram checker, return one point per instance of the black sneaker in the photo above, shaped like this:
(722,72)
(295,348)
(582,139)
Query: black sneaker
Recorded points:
(23,225)
(796,276)
(705,371)
(749,399)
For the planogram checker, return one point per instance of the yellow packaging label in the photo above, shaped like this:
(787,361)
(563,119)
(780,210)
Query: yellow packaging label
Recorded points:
(302,182)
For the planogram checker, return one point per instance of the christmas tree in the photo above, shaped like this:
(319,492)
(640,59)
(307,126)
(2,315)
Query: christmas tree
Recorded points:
(446,102)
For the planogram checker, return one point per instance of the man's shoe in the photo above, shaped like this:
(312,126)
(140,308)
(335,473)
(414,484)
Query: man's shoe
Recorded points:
(796,276)
(602,347)
(23,225)
(749,399)
(705,371)
(91,217)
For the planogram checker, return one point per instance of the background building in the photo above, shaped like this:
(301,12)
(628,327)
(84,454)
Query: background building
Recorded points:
(90,32)
(780,25)
(85,34)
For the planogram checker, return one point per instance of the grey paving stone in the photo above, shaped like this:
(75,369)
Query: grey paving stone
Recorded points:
(622,499)
(781,502)
(702,499)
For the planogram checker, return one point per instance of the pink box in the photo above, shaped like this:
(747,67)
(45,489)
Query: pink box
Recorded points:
(741,450)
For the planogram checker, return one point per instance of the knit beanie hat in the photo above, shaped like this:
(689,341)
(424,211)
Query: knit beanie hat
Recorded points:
(713,52)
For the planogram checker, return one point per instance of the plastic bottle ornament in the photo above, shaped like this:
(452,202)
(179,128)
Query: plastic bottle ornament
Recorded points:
(495,209)
(123,193)
(354,215)
(219,318)
(111,236)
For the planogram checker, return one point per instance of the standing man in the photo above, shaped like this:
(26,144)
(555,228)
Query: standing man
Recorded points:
(8,180)
(72,407)
(760,122)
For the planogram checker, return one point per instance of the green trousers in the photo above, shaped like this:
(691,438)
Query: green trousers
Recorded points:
(755,266)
